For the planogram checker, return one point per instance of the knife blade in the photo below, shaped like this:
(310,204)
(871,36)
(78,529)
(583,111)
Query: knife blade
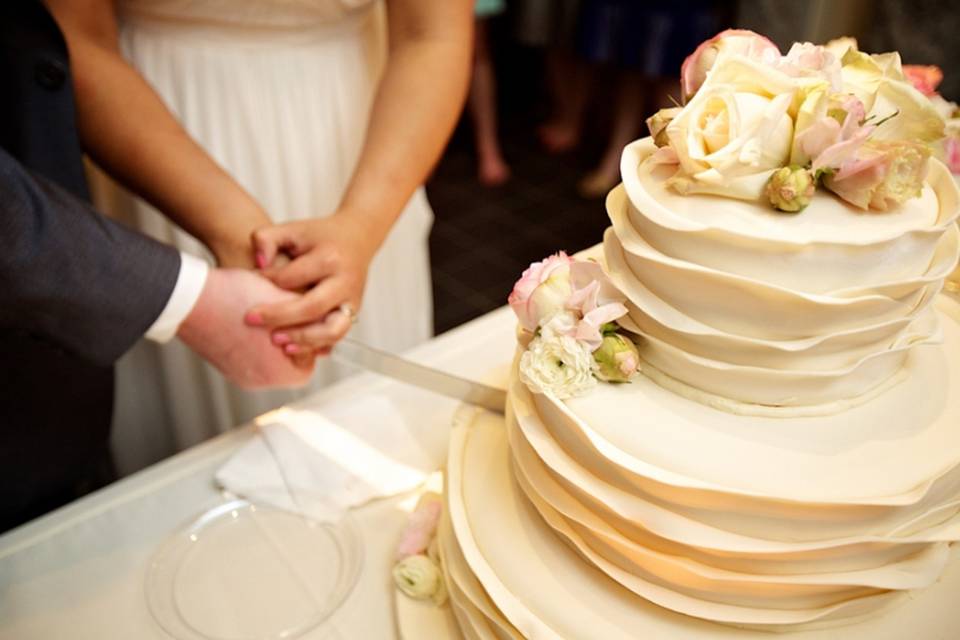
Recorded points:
(387,364)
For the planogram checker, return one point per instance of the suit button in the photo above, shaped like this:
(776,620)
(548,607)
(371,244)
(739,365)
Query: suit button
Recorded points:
(50,74)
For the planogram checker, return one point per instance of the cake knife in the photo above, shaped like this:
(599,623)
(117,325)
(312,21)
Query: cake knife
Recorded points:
(418,375)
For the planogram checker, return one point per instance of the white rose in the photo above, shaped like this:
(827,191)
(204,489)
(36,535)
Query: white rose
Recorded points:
(878,81)
(419,578)
(736,130)
(558,364)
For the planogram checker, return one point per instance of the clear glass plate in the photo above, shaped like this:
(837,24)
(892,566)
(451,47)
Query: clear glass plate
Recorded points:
(243,571)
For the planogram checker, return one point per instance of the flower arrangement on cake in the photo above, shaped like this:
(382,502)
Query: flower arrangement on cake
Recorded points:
(762,131)
(567,309)
(758,124)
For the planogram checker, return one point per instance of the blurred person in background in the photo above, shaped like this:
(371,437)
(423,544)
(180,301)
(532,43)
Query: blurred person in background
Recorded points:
(646,43)
(230,117)
(551,25)
(492,169)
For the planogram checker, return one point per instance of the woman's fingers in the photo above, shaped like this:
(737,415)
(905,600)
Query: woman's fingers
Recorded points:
(318,336)
(304,271)
(270,241)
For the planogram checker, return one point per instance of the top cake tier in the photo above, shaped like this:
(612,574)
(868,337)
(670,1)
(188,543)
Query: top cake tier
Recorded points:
(830,246)
(750,310)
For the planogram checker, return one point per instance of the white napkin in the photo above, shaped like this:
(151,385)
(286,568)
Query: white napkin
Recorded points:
(365,451)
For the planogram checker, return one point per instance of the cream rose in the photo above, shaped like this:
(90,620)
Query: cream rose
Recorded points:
(736,130)
(879,83)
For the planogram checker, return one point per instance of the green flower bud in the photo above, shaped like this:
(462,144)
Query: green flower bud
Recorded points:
(791,188)
(617,358)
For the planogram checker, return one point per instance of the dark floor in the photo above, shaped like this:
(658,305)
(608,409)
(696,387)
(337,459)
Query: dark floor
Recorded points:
(483,238)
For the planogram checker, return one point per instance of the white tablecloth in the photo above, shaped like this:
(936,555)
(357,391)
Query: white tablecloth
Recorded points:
(78,573)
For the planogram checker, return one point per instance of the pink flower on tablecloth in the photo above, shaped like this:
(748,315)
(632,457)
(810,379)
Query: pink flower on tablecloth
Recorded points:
(421,528)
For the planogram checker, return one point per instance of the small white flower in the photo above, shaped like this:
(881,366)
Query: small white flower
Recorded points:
(557,363)
(419,578)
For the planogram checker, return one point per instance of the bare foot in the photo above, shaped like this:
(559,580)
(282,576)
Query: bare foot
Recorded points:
(492,171)
(558,137)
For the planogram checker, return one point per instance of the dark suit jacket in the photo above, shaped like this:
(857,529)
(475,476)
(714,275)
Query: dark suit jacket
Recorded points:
(76,290)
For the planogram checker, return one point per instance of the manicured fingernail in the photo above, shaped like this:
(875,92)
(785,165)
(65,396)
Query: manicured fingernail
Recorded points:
(254,318)
(291,349)
(280,339)
(261,259)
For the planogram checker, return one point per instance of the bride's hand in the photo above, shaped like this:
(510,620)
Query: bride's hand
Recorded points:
(329,257)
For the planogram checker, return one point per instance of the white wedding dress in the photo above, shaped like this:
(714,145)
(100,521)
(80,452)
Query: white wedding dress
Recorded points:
(279,93)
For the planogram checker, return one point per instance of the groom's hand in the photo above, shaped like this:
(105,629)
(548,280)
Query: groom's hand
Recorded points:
(244,354)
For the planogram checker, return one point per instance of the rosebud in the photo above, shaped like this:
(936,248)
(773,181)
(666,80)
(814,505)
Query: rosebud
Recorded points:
(617,359)
(657,124)
(791,188)
(418,577)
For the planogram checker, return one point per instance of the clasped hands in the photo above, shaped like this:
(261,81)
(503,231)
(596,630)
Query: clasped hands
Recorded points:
(296,305)
(325,260)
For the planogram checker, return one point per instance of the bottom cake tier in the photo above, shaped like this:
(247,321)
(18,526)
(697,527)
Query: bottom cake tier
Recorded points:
(510,576)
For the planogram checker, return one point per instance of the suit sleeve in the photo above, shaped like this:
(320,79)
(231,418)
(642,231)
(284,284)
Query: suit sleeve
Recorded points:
(71,275)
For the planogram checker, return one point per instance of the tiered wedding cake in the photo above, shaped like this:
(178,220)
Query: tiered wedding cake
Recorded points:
(744,415)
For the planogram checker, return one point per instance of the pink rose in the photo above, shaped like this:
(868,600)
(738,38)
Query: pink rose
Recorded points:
(835,137)
(574,298)
(541,291)
(419,531)
(805,60)
(595,299)
(952,151)
(882,176)
(732,41)
(924,78)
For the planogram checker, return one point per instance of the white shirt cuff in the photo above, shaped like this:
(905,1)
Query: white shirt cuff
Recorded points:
(190,281)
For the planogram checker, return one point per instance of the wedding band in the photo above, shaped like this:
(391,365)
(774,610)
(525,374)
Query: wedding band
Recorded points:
(347,309)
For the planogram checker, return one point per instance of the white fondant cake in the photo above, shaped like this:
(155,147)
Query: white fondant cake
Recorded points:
(789,455)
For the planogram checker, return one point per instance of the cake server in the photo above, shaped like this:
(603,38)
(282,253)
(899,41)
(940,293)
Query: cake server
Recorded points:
(418,375)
